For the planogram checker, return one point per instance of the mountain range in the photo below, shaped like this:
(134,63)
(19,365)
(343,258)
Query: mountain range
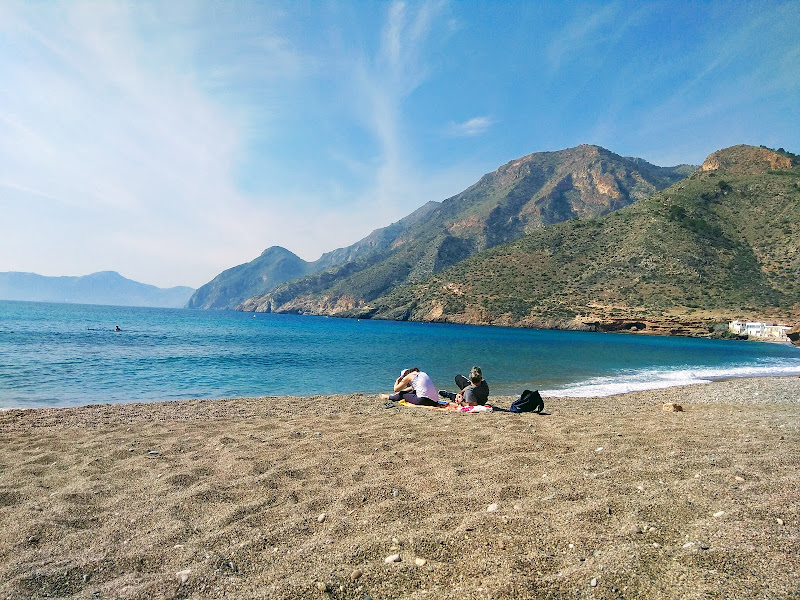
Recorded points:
(580,238)
(520,197)
(104,287)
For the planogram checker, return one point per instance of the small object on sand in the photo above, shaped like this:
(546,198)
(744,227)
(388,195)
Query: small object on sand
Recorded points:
(321,518)
(593,582)
(153,452)
(355,574)
(672,407)
(779,522)
(719,513)
(392,558)
(322,586)
(492,508)
(183,576)
(420,562)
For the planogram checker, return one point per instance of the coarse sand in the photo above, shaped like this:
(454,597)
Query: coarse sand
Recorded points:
(353,497)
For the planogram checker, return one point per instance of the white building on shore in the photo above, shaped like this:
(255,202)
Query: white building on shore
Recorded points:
(758,329)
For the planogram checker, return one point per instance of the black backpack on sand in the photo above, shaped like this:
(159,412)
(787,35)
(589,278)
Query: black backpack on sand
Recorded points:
(529,401)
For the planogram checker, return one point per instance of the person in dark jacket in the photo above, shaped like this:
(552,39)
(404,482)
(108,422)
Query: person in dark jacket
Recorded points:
(474,389)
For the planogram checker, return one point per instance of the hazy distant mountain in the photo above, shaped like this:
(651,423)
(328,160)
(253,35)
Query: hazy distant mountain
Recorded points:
(519,198)
(105,287)
(722,244)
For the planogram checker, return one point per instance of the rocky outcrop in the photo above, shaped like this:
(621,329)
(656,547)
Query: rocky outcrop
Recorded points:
(745,160)
(794,335)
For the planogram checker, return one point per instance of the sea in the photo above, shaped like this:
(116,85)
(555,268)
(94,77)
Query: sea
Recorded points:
(55,355)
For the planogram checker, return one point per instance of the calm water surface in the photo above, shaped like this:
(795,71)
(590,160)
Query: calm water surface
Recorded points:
(65,354)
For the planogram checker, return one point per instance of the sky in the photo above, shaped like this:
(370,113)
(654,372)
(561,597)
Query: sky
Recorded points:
(170,141)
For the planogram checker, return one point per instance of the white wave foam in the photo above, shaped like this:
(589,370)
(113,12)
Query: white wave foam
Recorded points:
(652,379)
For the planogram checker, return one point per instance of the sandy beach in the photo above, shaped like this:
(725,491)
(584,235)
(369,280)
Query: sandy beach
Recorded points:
(346,497)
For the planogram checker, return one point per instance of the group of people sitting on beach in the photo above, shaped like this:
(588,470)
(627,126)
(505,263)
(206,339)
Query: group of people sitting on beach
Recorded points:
(416,387)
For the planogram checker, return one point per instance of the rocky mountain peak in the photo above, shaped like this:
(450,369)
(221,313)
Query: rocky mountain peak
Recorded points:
(745,160)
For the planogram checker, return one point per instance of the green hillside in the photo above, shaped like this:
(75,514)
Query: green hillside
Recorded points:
(518,198)
(721,244)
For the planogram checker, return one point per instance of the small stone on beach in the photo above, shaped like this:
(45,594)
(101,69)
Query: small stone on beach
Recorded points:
(355,574)
(420,562)
(322,586)
(321,518)
(183,576)
(719,513)
(492,508)
(392,558)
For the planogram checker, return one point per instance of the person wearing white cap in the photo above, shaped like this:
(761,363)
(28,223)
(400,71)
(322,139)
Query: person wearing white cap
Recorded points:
(415,387)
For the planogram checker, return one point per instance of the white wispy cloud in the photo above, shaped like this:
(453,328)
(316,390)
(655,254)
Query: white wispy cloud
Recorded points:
(470,127)
(591,30)
(113,152)
(384,79)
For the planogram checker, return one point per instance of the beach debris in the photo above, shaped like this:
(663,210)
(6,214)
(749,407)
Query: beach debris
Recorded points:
(322,586)
(492,507)
(672,407)
(183,576)
(395,493)
(420,562)
(392,558)
(593,582)
(153,452)
(355,574)
(719,513)
(321,518)
(600,449)
(779,522)
(739,479)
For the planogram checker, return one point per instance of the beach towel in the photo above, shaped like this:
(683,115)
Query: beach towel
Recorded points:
(451,407)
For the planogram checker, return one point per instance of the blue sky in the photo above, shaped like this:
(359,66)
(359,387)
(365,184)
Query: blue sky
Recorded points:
(172,140)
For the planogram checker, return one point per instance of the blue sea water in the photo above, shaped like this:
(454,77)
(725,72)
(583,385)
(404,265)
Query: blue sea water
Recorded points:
(67,354)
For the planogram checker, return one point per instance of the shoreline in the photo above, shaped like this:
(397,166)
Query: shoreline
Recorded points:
(545,393)
(308,497)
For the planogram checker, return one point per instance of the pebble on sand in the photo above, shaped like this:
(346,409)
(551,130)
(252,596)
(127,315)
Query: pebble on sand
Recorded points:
(183,576)
(593,582)
(492,507)
(355,574)
(420,562)
(321,518)
(719,513)
(392,558)
(322,586)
